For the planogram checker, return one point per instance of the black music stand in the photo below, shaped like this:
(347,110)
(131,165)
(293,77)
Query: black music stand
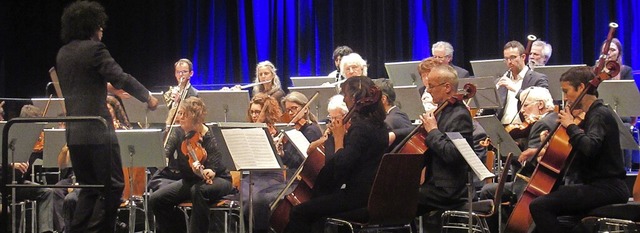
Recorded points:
(225,106)
(319,107)
(492,67)
(553,75)
(144,147)
(138,111)
(408,100)
(501,140)
(486,94)
(246,147)
(404,73)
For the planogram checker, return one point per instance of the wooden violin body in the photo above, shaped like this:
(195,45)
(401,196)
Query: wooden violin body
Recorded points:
(192,148)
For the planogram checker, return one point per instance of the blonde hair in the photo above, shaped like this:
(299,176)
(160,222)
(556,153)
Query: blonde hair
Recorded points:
(300,99)
(195,109)
(275,81)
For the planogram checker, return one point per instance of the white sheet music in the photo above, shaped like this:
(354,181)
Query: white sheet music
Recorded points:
(470,156)
(250,149)
(299,141)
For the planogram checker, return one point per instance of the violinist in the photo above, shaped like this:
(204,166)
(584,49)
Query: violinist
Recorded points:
(358,152)
(337,110)
(444,187)
(202,182)
(308,125)
(597,158)
(266,71)
(183,73)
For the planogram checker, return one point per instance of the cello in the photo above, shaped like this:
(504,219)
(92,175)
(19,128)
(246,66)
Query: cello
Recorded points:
(307,174)
(551,166)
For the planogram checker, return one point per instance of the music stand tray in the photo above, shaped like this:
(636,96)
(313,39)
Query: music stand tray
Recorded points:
(553,75)
(55,140)
(225,106)
(246,146)
(23,137)
(404,73)
(622,96)
(493,67)
(318,107)
(408,100)
(141,148)
(486,94)
(499,137)
(311,80)
(55,106)
(137,111)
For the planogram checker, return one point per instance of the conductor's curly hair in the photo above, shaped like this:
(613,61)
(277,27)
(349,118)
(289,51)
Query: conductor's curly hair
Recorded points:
(82,19)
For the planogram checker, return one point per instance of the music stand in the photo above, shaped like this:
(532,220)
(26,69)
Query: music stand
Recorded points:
(144,149)
(404,73)
(55,139)
(486,94)
(319,107)
(55,106)
(246,147)
(311,80)
(138,111)
(553,75)
(408,100)
(225,106)
(493,67)
(22,137)
(622,96)
(499,137)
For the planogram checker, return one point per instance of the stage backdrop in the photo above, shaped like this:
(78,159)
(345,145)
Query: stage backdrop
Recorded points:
(225,39)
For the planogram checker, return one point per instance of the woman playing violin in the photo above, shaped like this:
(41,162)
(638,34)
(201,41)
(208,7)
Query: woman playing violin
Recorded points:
(202,189)
(307,124)
(358,152)
(597,169)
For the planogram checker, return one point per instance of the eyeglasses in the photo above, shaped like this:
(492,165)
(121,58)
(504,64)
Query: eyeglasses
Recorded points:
(292,109)
(181,72)
(440,57)
(332,118)
(254,112)
(431,87)
(511,58)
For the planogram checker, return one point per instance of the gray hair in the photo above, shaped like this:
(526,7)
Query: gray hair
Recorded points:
(275,81)
(534,93)
(337,102)
(353,58)
(546,49)
(448,49)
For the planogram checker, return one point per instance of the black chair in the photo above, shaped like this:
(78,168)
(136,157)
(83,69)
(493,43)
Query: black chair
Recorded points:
(616,217)
(482,209)
(393,201)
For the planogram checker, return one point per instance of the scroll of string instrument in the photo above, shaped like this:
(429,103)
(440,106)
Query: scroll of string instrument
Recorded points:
(552,165)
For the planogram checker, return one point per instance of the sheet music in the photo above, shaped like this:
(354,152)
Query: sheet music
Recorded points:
(299,141)
(470,156)
(250,148)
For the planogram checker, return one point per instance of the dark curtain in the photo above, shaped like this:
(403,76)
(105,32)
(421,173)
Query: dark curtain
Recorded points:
(225,39)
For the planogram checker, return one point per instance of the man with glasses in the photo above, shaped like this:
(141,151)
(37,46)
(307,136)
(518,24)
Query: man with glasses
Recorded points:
(443,53)
(517,78)
(183,74)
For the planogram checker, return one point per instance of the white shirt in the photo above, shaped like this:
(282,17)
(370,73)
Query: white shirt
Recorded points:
(511,107)
(427,102)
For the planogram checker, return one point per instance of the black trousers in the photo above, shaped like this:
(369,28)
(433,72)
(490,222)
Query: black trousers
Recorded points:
(96,208)
(575,200)
(310,216)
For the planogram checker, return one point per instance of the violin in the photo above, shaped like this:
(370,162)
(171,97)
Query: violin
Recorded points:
(523,129)
(192,148)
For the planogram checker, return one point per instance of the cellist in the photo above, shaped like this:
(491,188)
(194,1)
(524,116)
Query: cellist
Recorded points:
(597,164)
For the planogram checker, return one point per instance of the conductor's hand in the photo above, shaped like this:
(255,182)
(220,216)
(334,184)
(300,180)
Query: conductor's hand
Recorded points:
(152,103)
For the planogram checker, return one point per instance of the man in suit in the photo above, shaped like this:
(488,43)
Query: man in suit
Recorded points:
(443,53)
(84,66)
(395,119)
(517,78)
(444,187)
(540,54)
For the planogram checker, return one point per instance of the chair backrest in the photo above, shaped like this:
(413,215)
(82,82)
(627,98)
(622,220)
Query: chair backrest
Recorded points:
(503,179)
(394,194)
(636,189)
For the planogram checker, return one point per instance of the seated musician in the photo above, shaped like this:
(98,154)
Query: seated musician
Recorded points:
(358,152)
(445,181)
(424,68)
(396,118)
(597,157)
(537,109)
(203,182)
(338,53)
(183,73)
(266,71)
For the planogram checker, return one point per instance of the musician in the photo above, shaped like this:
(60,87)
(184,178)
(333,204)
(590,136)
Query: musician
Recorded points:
(266,71)
(615,54)
(358,152)
(424,68)
(442,51)
(538,108)
(337,110)
(597,157)
(396,118)
(353,65)
(193,186)
(84,66)
(517,78)
(444,187)
(183,73)
(338,53)
(540,53)
(308,125)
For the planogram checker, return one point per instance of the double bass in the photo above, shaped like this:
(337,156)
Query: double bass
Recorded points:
(551,166)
